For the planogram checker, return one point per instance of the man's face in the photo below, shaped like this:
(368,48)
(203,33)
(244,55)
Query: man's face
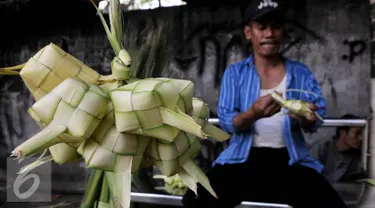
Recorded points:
(353,137)
(266,35)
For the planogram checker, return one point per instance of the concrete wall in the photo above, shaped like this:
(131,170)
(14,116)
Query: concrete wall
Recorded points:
(331,37)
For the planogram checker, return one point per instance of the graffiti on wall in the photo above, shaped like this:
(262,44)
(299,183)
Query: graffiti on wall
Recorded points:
(327,79)
(296,34)
(355,49)
(224,39)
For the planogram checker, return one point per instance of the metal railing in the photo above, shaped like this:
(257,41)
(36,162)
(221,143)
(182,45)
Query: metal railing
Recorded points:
(161,199)
(168,200)
(326,123)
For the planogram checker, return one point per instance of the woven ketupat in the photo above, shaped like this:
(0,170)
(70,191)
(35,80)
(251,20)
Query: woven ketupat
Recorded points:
(170,157)
(185,89)
(64,152)
(149,107)
(201,114)
(47,69)
(50,66)
(107,146)
(177,157)
(70,113)
(297,107)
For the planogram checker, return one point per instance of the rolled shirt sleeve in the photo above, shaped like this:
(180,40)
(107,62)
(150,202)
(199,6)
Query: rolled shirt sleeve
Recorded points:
(317,99)
(229,103)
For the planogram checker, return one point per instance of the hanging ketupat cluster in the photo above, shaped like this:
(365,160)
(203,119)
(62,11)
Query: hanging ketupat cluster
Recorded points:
(115,123)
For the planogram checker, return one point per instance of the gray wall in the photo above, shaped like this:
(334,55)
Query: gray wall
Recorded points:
(331,37)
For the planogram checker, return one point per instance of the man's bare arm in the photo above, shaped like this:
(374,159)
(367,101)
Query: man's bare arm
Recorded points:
(243,120)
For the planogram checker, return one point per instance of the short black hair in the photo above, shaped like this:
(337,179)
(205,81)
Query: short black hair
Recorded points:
(345,128)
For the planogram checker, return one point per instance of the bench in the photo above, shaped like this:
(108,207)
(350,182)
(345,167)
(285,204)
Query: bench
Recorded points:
(168,200)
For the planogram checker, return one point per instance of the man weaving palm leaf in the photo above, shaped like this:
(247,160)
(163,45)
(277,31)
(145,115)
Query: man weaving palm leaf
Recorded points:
(267,159)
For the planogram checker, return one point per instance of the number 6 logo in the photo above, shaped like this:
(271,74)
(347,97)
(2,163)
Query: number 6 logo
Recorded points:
(20,180)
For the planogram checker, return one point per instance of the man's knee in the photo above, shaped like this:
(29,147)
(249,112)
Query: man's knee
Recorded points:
(201,199)
(204,199)
(188,200)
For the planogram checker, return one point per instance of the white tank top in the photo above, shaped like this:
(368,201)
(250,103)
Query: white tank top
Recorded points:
(269,132)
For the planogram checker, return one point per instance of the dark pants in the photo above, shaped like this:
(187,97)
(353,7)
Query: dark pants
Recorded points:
(265,177)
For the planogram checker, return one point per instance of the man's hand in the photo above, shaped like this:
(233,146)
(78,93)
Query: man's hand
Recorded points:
(306,123)
(265,106)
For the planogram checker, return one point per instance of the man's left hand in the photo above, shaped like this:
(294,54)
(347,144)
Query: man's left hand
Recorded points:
(306,123)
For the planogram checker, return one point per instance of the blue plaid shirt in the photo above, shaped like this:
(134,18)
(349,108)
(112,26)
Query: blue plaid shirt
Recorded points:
(240,89)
